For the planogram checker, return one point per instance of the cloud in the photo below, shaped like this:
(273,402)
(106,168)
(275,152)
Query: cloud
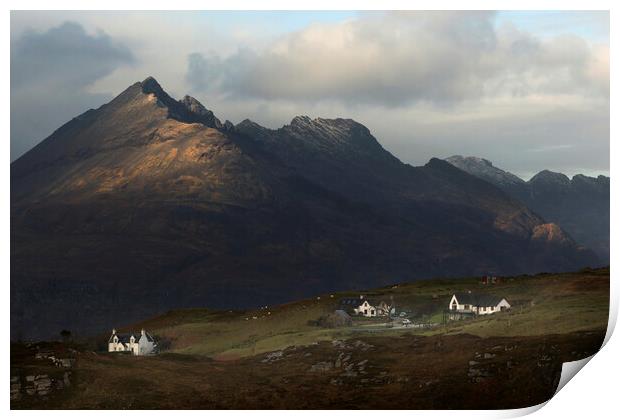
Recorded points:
(425,83)
(550,148)
(50,75)
(399,59)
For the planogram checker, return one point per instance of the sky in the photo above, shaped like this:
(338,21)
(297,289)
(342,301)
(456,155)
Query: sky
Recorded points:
(527,90)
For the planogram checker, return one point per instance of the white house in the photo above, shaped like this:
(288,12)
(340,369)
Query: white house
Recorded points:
(478,304)
(138,344)
(364,307)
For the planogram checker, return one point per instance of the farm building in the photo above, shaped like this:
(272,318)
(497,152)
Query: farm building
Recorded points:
(138,344)
(476,304)
(490,280)
(337,319)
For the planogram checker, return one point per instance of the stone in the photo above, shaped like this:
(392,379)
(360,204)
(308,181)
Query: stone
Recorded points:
(338,362)
(321,367)
(272,357)
(349,373)
(16,391)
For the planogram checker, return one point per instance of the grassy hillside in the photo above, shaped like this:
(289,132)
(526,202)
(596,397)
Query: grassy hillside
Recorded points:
(283,360)
(541,304)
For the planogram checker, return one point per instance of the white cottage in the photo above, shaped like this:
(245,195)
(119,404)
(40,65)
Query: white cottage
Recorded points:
(476,303)
(138,344)
(364,307)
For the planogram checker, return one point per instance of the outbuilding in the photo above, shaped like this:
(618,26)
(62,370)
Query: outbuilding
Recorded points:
(477,303)
(137,344)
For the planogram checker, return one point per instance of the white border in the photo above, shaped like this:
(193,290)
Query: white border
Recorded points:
(592,394)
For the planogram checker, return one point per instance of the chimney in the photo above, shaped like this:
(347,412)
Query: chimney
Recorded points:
(142,332)
(361,297)
(113,331)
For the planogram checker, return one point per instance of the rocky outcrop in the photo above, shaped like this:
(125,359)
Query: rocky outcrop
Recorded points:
(41,372)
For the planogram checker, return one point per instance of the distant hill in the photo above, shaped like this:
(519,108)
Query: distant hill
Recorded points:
(579,205)
(149,203)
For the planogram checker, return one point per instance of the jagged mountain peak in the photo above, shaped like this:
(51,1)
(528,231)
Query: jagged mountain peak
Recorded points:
(249,123)
(198,112)
(483,168)
(549,177)
(580,205)
(150,85)
(193,104)
(301,120)
(305,121)
(471,159)
(188,109)
(438,164)
(336,137)
(250,129)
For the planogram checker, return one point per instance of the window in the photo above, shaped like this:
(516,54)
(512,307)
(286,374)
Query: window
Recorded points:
(365,311)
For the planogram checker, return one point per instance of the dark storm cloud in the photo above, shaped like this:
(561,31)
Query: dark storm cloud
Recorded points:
(50,72)
(397,59)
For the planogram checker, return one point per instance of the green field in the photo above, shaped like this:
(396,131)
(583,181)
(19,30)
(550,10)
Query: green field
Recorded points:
(541,304)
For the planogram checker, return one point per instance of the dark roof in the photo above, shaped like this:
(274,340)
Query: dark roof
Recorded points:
(341,313)
(354,302)
(477,299)
(124,338)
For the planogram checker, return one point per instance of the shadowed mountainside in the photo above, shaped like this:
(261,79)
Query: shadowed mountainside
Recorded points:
(149,203)
(579,205)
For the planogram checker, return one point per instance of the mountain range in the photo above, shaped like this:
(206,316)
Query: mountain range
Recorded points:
(148,203)
(579,205)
